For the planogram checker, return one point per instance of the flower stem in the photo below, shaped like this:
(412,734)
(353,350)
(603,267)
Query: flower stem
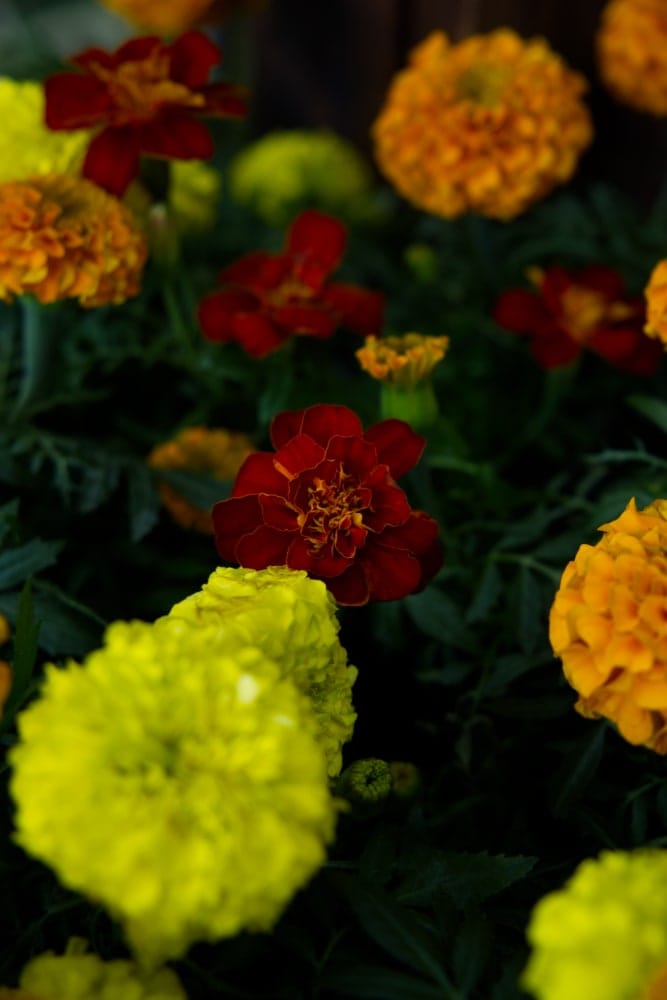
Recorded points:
(39,347)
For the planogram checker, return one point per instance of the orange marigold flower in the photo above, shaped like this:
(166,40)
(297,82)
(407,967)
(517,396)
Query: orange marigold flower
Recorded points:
(608,624)
(488,125)
(656,303)
(171,17)
(215,452)
(62,237)
(403,359)
(631,48)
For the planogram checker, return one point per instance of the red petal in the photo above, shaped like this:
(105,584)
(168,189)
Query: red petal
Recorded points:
(358,456)
(391,573)
(72,100)
(264,547)
(176,134)
(258,474)
(324,420)
(397,445)
(258,271)
(358,309)
(519,311)
(256,334)
(300,453)
(323,566)
(313,321)
(192,57)
(417,535)
(554,349)
(112,160)
(601,279)
(277,514)
(92,57)
(351,588)
(389,506)
(224,99)
(285,426)
(232,519)
(133,50)
(628,348)
(217,310)
(320,240)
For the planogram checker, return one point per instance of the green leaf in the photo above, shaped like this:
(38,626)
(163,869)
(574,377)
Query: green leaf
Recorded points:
(24,654)
(438,617)
(579,768)
(376,982)
(466,879)
(472,948)
(143,500)
(488,592)
(8,517)
(532,617)
(654,410)
(200,490)
(18,564)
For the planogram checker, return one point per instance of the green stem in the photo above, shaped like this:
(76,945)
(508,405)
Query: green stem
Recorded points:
(39,348)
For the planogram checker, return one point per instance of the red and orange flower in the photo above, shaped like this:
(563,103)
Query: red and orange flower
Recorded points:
(144,99)
(327,502)
(571,310)
(267,297)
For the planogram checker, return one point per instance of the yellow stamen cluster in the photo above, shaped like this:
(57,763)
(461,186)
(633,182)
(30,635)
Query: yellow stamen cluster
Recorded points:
(608,624)
(488,125)
(63,237)
(402,359)
(656,303)
(632,53)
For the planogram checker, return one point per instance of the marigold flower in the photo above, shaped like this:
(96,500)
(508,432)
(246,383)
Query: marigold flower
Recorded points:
(570,311)
(488,125)
(214,451)
(282,171)
(656,303)
(63,237)
(404,359)
(327,502)
(77,975)
(266,297)
(293,620)
(27,146)
(604,934)
(166,17)
(631,45)
(189,794)
(608,624)
(143,99)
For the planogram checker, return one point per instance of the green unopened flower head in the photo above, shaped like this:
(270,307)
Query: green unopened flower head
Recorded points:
(604,934)
(285,171)
(366,781)
(292,618)
(77,975)
(189,793)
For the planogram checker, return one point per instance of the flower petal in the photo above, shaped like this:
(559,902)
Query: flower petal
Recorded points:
(358,309)
(285,426)
(357,455)
(112,160)
(278,514)
(311,320)
(554,349)
(232,519)
(391,573)
(519,311)
(176,134)
(72,100)
(224,99)
(397,445)
(351,588)
(217,310)
(325,420)
(256,334)
(266,546)
(299,454)
(257,271)
(192,57)
(259,474)
(319,240)
(323,565)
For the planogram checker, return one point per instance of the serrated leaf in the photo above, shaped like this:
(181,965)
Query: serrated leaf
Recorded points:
(18,564)
(466,879)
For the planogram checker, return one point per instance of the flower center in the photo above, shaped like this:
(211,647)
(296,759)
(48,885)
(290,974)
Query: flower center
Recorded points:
(482,83)
(140,87)
(584,310)
(287,292)
(334,513)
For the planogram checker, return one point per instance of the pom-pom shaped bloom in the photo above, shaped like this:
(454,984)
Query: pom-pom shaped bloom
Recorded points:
(604,934)
(214,452)
(631,45)
(403,359)
(327,502)
(77,975)
(189,794)
(63,237)
(293,620)
(569,311)
(27,146)
(267,297)
(488,125)
(608,624)
(283,171)
(143,99)
(656,303)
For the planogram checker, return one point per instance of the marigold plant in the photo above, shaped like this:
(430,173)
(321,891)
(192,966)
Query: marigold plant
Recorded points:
(604,934)
(293,619)
(488,125)
(402,359)
(656,303)
(327,502)
(216,452)
(569,311)
(608,624)
(63,237)
(631,46)
(267,297)
(165,17)
(189,794)
(145,98)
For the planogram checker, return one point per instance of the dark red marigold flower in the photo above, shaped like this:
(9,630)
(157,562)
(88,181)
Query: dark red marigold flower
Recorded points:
(144,98)
(267,297)
(327,502)
(572,310)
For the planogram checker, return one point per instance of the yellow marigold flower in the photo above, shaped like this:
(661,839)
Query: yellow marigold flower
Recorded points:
(293,619)
(166,17)
(402,360)
(27,146)
(80,976)
(608,624)
(63,237)
(284,171)
(488,125)
(656,303)
(604,934)
(216,452)
(194,194)
(189,794)
(631,48)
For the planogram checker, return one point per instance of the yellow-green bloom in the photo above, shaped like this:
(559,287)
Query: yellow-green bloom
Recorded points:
(27,146)
(188,793)
(284,171)
(194,193)
(292,618)
(80,976)
(603,936)
(366,781)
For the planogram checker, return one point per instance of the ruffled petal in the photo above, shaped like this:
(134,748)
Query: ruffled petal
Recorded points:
(259,474)
(390,573)
(264,547)
(358,310)
(217,310)
(298,454)
(72,100)
(350,589)
(192,57)
(176,134)
(256,334)
(396,444)
(112,160)
(319,241)
(312,320)
(232,519)
(325,420)
(519,311)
